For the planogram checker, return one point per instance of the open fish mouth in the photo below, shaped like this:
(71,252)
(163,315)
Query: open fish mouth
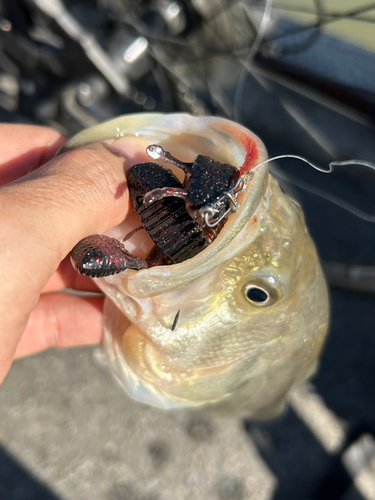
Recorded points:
(187,136)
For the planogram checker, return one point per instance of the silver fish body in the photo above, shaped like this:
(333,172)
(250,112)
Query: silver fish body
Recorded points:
(226,350)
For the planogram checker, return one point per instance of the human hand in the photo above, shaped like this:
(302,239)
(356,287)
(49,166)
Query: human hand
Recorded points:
(47,205)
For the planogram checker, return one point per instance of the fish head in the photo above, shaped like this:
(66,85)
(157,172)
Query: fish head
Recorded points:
(240,323)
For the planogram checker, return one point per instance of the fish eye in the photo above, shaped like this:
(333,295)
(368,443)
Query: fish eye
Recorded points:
(259,295)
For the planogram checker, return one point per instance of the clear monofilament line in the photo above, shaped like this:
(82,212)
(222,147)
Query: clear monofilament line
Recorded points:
(322,194)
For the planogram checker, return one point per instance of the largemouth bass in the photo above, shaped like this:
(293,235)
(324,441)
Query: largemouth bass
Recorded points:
(195,334)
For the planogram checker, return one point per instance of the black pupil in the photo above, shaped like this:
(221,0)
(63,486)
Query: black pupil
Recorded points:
(256,294)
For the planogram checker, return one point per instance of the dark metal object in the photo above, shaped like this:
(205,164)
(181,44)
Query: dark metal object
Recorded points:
(181,219)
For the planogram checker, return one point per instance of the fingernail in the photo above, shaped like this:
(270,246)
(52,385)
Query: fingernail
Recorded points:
(130,147)
(115,151)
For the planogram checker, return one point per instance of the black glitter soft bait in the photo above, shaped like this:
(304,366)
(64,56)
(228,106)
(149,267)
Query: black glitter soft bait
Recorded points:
(182,219)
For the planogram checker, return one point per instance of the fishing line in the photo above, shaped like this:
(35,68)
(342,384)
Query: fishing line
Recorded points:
(322,194)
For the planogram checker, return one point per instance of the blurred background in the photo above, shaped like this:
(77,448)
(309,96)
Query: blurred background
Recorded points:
(301,75)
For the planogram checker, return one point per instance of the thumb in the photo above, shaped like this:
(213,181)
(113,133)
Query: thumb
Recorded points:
(46,213)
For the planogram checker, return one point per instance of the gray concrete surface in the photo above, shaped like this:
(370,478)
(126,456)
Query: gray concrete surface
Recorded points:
(64,419)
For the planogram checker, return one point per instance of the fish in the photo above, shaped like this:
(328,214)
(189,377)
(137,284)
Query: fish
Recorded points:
(241,323)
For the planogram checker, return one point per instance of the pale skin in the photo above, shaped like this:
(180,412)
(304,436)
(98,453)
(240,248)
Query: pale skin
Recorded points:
(47,205)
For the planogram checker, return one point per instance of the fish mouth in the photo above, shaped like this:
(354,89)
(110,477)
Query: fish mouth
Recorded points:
(186,136)
(250,154)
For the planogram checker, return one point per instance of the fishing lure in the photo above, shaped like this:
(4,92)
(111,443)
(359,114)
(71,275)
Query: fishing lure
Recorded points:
(181,218)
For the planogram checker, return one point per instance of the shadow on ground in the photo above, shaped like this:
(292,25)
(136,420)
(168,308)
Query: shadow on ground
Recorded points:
(16,482)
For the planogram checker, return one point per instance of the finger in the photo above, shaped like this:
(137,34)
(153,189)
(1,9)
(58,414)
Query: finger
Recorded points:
(23,148)
(67,277)
(45,214)
(62,320)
